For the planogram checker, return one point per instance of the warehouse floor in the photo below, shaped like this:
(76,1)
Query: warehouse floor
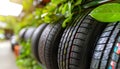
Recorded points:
(7,58)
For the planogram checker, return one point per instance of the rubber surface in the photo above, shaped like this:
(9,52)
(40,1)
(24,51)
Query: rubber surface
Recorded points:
(48,44)
(22,33)
(29,33)
(107,52)
(35,40)
(77,42)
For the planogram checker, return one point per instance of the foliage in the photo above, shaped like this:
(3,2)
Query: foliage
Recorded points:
(1,31)
(26,60)
(66,8)
(27,5)
(26,22)
(46,14)
(55,9)
(109,12)
(10,20)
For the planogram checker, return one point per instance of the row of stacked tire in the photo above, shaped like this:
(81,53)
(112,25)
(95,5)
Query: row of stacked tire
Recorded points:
(84,44)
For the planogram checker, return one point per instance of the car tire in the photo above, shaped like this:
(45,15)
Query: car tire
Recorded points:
(29,33)
(35,41)
(48,44)
(107,52)
(78,41)
(22,33)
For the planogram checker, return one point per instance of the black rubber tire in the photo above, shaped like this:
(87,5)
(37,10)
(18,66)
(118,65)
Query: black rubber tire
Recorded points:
(104,52)
(29,33)
(77,42)
(22,33)
(48,44)
(35,40)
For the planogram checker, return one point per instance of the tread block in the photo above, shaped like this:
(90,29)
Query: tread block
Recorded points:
(109,28)
(78,42)
(103,64)
(103,40)
(81,36)
(95,64)
(97,55)
(106,54)
(109,46)
(82,30)
(106,34)
(100,47)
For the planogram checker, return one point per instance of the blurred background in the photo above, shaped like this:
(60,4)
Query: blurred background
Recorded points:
(15,15)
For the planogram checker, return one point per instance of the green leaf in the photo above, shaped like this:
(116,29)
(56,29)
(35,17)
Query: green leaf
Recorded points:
(78,2)
(20,62)
(109,12)
(56,1)
(47,19)
(67,20)
(69,7)
(60,8)
(65,9)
